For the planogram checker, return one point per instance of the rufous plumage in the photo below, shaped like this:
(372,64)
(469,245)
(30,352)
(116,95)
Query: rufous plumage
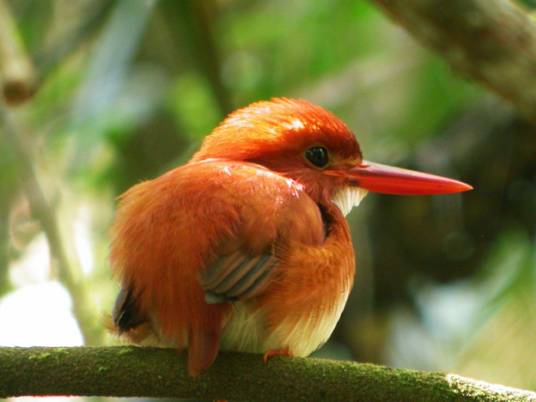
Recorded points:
(246,247)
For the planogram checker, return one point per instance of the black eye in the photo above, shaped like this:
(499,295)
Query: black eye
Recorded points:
(318,156)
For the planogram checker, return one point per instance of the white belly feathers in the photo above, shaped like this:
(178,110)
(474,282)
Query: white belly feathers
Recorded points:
(248,332)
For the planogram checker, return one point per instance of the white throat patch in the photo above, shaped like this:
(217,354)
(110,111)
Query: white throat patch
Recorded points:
(349,197)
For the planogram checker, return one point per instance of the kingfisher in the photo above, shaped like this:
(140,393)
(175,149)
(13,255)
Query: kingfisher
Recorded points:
(246,247)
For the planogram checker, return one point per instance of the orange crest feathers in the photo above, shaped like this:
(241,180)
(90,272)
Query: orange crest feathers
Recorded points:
(275,127)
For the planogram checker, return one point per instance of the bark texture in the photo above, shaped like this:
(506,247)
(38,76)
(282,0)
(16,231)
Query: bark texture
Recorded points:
(490,41)
(150,372)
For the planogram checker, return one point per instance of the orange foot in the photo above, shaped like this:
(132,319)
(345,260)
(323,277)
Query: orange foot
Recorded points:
(276,352)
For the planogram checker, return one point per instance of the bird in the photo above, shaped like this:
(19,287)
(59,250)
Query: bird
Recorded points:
(246,247)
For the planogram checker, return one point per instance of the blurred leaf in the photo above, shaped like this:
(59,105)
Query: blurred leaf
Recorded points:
(191,99)
(107,70)
(528,3)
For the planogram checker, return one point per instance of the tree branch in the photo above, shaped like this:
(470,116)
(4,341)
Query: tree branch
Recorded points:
(490,41)
(16,70)
(150,372)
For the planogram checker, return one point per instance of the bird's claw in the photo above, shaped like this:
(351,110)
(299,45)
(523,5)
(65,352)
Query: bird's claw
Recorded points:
(275,352)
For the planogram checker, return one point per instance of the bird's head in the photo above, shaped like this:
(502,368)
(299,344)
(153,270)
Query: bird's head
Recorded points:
(305,142)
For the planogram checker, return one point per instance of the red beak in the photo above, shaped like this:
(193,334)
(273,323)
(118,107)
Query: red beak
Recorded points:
(391,180)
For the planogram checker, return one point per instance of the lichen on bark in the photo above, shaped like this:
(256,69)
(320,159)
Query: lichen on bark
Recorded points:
(150,372)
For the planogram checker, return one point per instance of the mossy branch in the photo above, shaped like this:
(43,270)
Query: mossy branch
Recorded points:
(490,41)
(150,372)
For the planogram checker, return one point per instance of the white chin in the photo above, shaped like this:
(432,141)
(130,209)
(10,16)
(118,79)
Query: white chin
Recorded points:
(348,197)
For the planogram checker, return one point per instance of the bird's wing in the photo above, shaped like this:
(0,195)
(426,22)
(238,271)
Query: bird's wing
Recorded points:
(237,277)
(126,314)
(205,234)
(271,209)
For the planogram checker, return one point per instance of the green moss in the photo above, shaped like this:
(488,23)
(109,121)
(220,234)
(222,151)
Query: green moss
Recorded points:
(150,372)
(125,351)
(39,356)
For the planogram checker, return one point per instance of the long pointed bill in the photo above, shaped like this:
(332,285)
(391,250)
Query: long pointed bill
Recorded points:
(391,180)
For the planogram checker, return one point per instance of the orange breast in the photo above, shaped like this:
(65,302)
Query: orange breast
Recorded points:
(302,307)
(168,230)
